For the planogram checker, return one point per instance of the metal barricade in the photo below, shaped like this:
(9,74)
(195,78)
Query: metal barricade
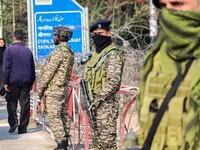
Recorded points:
(79,121)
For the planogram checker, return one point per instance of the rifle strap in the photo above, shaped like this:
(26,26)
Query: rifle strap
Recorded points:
(164,105)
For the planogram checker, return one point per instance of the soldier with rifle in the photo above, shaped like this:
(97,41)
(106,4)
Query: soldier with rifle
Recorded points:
(102,78)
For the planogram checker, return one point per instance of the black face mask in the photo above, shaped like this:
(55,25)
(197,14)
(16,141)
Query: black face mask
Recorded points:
(101,42)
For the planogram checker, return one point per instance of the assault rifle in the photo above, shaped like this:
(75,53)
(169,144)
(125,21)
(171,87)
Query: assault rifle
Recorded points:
(87,103)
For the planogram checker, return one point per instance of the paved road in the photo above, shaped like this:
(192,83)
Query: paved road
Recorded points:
(35,139)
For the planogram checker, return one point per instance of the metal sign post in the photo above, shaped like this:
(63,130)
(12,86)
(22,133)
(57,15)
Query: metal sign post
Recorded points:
(1,23)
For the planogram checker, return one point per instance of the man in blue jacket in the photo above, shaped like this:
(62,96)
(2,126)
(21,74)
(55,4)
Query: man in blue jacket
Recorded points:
(18,78)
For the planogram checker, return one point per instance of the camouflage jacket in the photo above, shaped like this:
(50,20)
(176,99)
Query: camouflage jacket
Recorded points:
(104,71)
(55,75)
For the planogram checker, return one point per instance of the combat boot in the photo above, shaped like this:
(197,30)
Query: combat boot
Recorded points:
(61,146)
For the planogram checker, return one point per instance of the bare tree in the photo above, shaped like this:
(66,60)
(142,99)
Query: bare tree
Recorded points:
(130,28)
(13,14)
(13,17)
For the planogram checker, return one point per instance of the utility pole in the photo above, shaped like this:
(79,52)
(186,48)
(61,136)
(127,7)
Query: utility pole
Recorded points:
(30,32)
(13,14)
(153,20)
(1,23)
(87,37)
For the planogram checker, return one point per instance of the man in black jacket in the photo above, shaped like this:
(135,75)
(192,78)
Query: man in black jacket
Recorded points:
(18,77)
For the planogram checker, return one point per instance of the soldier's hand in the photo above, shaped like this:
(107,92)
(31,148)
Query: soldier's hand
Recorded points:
(95,105)
(78,81)
(6,87)
(92,106)
(40,93)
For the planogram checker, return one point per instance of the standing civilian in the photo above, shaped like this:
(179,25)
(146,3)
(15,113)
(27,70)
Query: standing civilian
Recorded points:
(18,77)
(2,50)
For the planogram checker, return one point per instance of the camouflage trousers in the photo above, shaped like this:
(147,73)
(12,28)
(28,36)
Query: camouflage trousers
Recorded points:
(106,121)
(57,111)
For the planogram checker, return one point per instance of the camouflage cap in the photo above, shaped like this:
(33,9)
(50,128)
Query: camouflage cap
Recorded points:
(63,31)
(156,3)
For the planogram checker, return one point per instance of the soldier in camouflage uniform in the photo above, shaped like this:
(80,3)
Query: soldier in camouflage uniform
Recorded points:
(54,80)
(103,77)
(176,46)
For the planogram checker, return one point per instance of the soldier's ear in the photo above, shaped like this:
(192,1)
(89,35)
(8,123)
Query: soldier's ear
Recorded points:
(108,33)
